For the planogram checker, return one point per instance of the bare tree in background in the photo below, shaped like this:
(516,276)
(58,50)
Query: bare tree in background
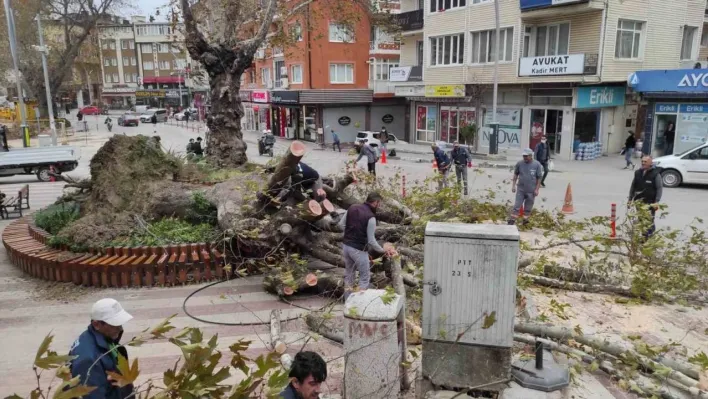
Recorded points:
(225,35)
(68,26)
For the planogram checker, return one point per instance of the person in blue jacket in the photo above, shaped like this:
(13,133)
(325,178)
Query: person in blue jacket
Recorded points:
(97,351)
(443,162)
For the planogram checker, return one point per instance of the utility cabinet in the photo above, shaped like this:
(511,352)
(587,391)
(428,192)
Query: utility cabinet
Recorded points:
(470,270)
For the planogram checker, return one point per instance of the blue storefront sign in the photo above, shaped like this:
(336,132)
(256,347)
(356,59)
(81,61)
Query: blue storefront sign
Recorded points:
(673,80)
(666,108)
(600,96)
(531,4)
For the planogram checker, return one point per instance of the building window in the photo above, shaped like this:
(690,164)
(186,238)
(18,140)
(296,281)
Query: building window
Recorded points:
(126,61)
(106,62)
(164,65)
(163,48)
(380,70)
(484,46)
(115,78)
(426,122)
(147,65)
(442,5)
(689,35)
(106,78)
(548,39)
(135,77)
(104,44)
(419,52)
(280,71)
(277,51)
(340,34)
(447,50)
(112,44)
(265,76)
(629,37)
(127,76)
(133,61)
(297,32)
(341,73)
(481,1)
(114,62)
(296,74)
(180,63)
(251,76)
(146,48)
(704,37)
(124,44)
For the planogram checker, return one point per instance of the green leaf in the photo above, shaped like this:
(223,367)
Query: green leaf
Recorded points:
(71,389)
(127,374)
(388,296)
(163,327)
(53,361)
(489,320)
(594,366)
(14,396)
(701,359)
(44,347)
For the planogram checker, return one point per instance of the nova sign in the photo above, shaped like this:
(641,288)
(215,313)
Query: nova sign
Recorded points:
(572,64)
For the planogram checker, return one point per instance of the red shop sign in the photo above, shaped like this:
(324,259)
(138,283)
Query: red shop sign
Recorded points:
(258,96)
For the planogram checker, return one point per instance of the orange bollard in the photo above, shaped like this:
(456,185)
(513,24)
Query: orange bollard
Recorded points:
(383,157)
(51,174)
(521,211)
(435,164)
(568,203)
(613,221)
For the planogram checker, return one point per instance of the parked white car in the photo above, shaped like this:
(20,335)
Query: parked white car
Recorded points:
(688,167)
(373,139)
(192,114)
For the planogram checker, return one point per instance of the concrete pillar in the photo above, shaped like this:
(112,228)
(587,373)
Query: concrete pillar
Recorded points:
(371,344)
(80,98)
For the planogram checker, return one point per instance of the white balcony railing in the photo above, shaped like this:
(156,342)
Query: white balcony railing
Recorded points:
(381,86)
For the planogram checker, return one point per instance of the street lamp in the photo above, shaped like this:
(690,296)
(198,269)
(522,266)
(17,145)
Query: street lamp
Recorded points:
(179,83)
(50,107)
(494,137)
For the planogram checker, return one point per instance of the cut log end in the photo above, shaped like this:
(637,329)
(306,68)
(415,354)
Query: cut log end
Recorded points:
(314,208)
(311,279)
(279,347)
(285,228)
(297,148)
(288,291)
(327,206)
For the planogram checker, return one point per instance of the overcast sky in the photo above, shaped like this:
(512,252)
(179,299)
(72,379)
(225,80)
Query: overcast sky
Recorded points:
(147,8)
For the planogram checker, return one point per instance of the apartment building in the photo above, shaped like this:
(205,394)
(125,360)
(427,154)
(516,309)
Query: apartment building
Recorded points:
(145,63)
(563,67)
(332,77)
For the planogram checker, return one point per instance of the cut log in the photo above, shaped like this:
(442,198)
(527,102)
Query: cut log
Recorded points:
(311,211)
(284,170)
(327,206)
(276,343)
(582,287)
(323,326)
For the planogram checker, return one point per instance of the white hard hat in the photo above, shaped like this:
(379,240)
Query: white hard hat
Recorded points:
(109,311)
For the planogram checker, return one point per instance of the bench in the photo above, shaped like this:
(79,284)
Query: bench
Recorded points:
(15,204)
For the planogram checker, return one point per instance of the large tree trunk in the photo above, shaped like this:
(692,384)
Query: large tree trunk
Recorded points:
(225,145)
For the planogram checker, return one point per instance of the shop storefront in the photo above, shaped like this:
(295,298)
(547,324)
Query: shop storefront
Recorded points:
(344,111)
(548,112)
(286,115)
(260,100)
(600,118)
(118,97)
(249,121)
(677,103)
(441,114)
(153,98)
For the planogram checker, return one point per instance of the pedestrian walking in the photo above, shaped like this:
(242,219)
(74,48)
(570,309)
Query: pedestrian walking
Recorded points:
(365,149)
(526,184)
(335,141)
(543,156)
(669,136)
(359,225)
(79,116)
(97,349)
(197,147)
(647,189)
(153,119)
(629,145)
(383,138)
(443,162)
(307,374)
(461,158)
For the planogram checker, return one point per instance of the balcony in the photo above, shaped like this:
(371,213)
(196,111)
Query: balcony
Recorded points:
(381,87)
(551,8)
(384,47)
(409,21)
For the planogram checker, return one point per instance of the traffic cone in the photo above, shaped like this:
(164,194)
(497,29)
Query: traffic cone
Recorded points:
(521,211)
(435,164)
(568,203)
(51,174)
(383,157)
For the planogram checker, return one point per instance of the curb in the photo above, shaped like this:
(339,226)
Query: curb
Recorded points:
(169,265)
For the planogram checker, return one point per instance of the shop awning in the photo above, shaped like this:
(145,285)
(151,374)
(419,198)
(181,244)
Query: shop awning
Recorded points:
(683,81)
(123,94)
(336,96)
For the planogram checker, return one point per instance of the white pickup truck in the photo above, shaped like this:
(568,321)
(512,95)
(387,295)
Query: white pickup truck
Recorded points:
(38,161)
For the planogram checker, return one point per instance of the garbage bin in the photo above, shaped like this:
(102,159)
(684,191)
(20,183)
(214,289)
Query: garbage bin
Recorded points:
(45,140)
(372,336)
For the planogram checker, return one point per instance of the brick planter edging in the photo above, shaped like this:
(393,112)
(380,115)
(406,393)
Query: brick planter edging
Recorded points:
(27,247)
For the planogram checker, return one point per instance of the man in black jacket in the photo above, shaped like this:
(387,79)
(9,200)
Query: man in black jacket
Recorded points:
(307,374)
(460,157)
(647,189)
(543,156)
(359,225)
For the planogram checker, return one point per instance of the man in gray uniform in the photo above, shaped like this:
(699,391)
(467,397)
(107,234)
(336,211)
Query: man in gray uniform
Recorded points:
(526,183)
(359,225)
